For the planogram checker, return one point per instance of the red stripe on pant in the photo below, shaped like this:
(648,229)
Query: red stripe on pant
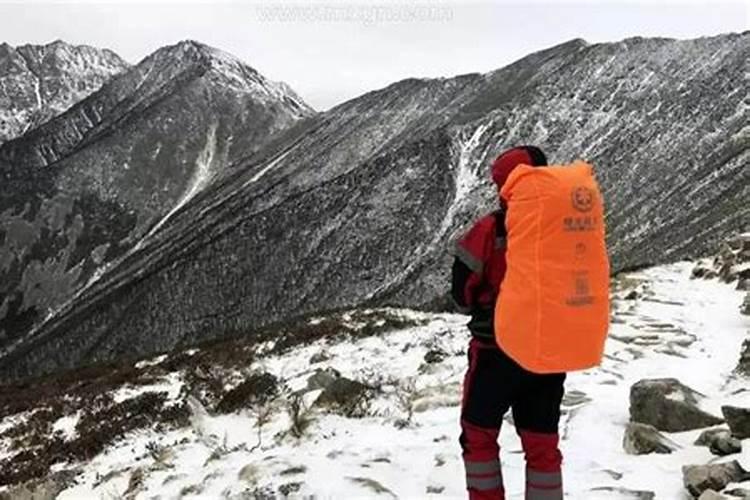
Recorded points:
(481,454)
(543,465)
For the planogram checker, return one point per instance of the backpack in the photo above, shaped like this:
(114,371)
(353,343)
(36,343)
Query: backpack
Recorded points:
(552,312)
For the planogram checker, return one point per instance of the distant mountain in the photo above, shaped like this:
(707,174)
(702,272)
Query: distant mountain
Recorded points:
(83,189)
(359,205)
(38,82)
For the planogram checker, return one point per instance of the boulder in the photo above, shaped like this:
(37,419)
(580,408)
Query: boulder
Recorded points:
(745,308)
(719,441)
(347,397)
(322,379)
(668,405)
(699,478)
(738,420)
(642,439)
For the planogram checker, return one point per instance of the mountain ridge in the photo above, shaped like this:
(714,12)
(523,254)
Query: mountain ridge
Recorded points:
(374,190)
(81,190)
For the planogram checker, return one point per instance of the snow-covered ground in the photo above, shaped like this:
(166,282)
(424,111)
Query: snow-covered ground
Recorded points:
(677,327)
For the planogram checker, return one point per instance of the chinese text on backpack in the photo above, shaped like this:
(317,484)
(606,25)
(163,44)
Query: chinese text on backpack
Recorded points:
(552,312)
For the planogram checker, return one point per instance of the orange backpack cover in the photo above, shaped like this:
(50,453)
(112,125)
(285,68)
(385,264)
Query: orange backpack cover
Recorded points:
(552,312)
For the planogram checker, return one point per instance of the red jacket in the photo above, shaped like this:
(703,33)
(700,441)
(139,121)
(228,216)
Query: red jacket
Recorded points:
(478,270)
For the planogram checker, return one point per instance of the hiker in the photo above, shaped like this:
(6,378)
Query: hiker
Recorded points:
(495,381)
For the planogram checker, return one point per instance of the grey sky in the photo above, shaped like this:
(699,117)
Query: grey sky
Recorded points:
(333,51)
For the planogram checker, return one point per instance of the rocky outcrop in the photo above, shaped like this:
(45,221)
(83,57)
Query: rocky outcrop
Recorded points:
(738,420)
(642,439)
(731,264)
(668,405)
(700,478)
(358,205)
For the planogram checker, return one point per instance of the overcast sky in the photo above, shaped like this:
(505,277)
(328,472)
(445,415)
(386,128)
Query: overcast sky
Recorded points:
(332,51)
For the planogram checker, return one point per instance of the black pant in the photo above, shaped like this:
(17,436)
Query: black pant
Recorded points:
(496,383)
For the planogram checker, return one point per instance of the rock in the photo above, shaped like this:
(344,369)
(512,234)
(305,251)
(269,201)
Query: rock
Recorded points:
(320,357)
(725,445)
(743,366)
(745,308)
(711,495)
(46,488)
(626,493)
(699,478)
(434,356)
(743,284)
(249,473)
(668,405)
(739,492)
(632,295)
(642,439)
(706,437)
(719,442)
(259,388)
(322,379)
(288,489)
(702,271)
(738,420)
(345,396)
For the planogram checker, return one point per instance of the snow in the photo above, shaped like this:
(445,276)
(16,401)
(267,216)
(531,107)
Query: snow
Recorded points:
(466,174)
(171,384)
(66,425)
(256,177)
(693,332)
(201,177)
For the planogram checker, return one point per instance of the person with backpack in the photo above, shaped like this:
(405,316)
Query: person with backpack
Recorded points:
(534,277)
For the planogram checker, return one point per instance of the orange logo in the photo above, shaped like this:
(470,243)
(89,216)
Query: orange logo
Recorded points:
(583,199)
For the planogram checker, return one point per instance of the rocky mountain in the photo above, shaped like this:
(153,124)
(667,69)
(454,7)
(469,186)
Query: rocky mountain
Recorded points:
(358,205)
(38,82)
(83,189)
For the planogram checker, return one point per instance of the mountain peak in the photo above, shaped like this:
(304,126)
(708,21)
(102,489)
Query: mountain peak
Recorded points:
(228,70)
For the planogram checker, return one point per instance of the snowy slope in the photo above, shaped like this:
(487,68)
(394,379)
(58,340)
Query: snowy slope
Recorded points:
(682,328)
